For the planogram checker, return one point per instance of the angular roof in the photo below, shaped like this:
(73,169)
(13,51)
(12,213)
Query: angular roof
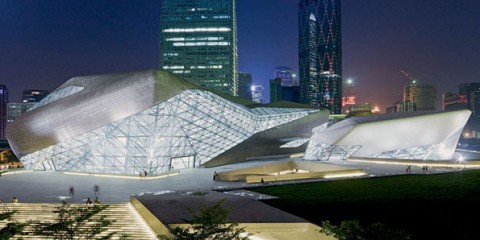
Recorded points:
(172,208)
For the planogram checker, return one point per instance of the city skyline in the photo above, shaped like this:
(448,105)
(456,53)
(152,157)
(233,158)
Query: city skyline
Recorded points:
(437,42)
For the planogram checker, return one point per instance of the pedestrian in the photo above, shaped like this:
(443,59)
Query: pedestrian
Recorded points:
(140,175)
(71,189)
(214,176)
(88,202)
(262,181)
(145,173)
(96,190)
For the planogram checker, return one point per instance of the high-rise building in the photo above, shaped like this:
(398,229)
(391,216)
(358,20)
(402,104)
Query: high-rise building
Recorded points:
(3,110)
(15,110)
(453,101)
(33,95)
(198,41)
(287,76)
(348,98)
(257,93)
(275,90)
(320,53)
(422,95)
(245,85)
(472,92)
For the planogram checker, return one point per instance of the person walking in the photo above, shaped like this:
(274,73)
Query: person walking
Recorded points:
(96,190)
(71,190)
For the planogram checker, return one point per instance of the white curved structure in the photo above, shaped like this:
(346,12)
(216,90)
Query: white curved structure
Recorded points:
(146,121)
(408,135)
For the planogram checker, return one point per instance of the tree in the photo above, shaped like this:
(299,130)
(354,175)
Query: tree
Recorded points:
(11,228)
(77,223)
(211,223)
(352,230)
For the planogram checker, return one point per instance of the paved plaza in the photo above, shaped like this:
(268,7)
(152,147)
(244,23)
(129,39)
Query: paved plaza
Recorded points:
(53,187)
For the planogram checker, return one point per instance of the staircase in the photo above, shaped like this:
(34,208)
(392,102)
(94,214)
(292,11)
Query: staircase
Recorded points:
(127,221)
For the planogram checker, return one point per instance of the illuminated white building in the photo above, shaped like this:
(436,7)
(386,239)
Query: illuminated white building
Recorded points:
(151,121)
(406,135)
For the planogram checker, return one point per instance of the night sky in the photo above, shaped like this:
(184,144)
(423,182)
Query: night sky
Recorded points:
(43,43)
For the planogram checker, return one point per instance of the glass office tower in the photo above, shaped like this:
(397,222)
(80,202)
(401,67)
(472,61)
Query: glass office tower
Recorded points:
(320,53)
(198,41)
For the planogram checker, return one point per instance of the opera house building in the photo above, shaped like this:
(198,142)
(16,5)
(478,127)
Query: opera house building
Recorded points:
(152,121)
(402,135)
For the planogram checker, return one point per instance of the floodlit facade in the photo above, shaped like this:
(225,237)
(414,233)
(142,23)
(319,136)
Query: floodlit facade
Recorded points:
(407,135)
(198,42)
(320,53)
(133,122)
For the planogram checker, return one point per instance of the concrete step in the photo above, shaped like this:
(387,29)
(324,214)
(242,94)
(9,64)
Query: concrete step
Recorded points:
(127,221)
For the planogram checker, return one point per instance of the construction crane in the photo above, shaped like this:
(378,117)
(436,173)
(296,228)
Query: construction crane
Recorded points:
(408,76)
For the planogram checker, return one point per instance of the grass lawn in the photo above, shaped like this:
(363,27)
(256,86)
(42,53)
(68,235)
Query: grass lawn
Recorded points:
(440,206)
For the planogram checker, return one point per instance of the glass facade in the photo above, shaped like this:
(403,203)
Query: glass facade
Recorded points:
(184,131)
(320,53)
(198,42)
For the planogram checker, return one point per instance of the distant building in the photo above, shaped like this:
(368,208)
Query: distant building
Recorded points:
(286,75)
(359,110)
(407,107)
(276,90)
(291,94)
(33,95)
(392,109)
(257,93)
(15,110)
(245,85)
(422,95)
(198,42)
(320,53)
(348,98)
(453,101)
(3,110)
(472,93)
(283,93)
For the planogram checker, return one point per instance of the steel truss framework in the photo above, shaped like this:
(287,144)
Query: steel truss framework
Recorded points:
(328,152)
(185,131)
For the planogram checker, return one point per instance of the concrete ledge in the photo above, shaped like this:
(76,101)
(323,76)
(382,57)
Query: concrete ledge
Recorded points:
(287,171)
(153,223)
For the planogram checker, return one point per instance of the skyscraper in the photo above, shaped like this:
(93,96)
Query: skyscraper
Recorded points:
(198,41)
(3,110)
(320,53)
